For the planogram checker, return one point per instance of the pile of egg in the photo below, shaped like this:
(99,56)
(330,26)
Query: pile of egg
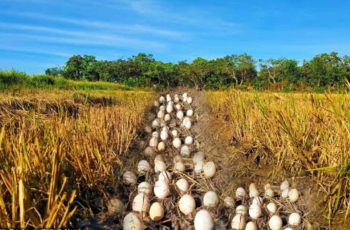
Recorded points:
(171,146)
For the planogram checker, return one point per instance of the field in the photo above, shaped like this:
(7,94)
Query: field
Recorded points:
(63,153)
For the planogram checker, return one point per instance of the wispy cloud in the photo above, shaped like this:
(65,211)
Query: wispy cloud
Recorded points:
(36,51)
(133,28)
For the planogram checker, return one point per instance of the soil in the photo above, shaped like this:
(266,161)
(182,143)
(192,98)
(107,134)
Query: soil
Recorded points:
(238,165)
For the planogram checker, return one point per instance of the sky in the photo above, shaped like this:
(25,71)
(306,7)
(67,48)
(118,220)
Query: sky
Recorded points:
(39,34)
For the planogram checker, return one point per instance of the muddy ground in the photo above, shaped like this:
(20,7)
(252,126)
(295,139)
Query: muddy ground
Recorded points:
(238,165)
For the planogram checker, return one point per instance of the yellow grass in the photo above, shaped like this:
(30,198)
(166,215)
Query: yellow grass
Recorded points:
(56,146)
(296,132)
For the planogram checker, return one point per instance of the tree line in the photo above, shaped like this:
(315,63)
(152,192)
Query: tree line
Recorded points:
(322,71)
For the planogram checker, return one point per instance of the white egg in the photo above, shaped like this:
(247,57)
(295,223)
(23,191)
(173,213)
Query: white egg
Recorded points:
(185,151)
(275,223)
(255,211)
(161,114)
(129,178)
(229,202)
(258,200)
(164,135)
(177,143)
(149,151)
(253,193)
(115,206)
(143,166)
(251,226)
(132,222)
(177,106)
(242,210)
(179,167)
(159,166)
(189,100)
(182,185)
(184,95)
(240,193)
(238,222)
(293,195)
(176,99)
(155,123)
(188,125)
(164,175)
(161,99)
(284,185)
(169,108)
(158,157)
(177,158)
(180,115)
(156,212)
(162,107)
(294,219)
(167,117)
(141,203)
(269,193)
(285,193)
(272,208)
(168,97)
(155,134)
(189,140)
(211,199)
(209,169)
(199,167)
(145,187)
(161,189)
(203,221)
(187,204)
(175,133)
(161,146)
(153,142)
(189,113)
(252,186)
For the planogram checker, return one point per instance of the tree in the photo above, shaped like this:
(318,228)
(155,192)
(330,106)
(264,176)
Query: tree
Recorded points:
(74,68)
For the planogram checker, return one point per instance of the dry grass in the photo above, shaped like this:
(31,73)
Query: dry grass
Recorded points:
(297,132)
(61,148)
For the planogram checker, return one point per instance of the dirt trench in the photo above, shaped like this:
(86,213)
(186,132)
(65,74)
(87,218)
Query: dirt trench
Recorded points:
(235,168)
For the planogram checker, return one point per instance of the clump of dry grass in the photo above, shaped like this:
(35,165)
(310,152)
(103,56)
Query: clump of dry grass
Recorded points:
(56,149)
(297,132)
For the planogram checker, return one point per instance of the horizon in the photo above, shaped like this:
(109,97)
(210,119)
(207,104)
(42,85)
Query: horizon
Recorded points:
(37,34)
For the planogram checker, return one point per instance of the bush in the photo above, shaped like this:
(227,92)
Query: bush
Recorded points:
(12,77)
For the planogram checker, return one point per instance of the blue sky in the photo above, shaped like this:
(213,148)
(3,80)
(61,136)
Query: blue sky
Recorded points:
(37,34)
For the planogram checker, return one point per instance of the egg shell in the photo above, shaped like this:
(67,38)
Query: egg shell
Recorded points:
(164,175)
(255,211)
(229,202)
(132,222)
(275,223)
(185,151)
(187,204)
(242,210)
(179,167)
(115,206)
(182,185)
(156,212)
(293,195)
(141,203)
(199,167)
(240,193)
(272,208)
(129,178)
(294,219)
(177,142)
(251,226)
(161,189)
(238,222)
(209,169)
(210,199)
(145,187)
(203,221)
(189,140)
(143,166)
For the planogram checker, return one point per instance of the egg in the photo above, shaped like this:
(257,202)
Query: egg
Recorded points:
(161,99)
(162,123)
(285,193)
(293,195)
(209,169)
(242,210)
(155,134)
(182,185)
(177,158)
(275,223)
(199,156)
(189,100)
(240,193)
(269,193)
(162,107)
(184,96)
(161,114)
(177,106)
(253,193)
(267,186)
(255,211)
(158,157)
(294,219)
(251,226)
(145,187)
(211,199)
(161,189)
(164,175)
(161,146)
(187,204)
(164,135)
(141,203)
(132,222)
(129,178)
(143,166)
(272,208)
(175,133)
(238,222)
(167,117)
(169,108)
(179,167)
(185,151)
(203,221)
(188,125)
(148,129)
(177,142)
(155,123)
(159,166)
(176,99)
(156,212)
(168,97)
(180,115)
(252,186)
(115,206)
(284,185)
(153,142)
(199,167)
(229,202)
(189,113)
(189,140)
